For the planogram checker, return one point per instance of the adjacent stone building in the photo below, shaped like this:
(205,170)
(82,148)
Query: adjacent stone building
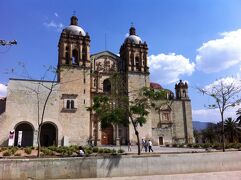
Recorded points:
(80,77)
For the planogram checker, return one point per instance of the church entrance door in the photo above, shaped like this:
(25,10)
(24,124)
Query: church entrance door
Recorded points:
(23,134)
(160,140)
(107,135)
(48,136)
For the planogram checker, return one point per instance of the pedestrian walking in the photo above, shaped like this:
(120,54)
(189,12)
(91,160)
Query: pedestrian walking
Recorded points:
(129,146)
(150,146)
(142,144)
(146,146)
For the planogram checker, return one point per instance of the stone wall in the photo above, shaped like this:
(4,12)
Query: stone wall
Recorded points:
(136,81)
(75,81)
(56,168)
(182,118)
(21,106)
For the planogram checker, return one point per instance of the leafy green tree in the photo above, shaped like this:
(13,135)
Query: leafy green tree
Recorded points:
(118,108)
(231,130)
(238,120)
(210,133)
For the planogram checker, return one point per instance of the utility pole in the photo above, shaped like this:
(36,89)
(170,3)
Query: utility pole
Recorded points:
(7,43)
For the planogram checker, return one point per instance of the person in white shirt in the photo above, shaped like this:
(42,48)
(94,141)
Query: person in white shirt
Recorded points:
(81,151)
(150,145)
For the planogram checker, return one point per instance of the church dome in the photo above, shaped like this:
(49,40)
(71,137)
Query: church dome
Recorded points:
(73,28)
(133,38)
(154,85)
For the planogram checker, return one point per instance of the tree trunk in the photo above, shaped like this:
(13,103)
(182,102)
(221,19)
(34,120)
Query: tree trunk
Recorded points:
(137,135)
(38,139)
(223,138)
(138,142)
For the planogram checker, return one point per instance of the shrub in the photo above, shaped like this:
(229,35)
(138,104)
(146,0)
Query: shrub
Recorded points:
(190,145)
(167,145)
(181,145)
(28,150)
(95,149)
(206,145)
(217,146)
(17,154)
(89,151)
(196,145)
(121,151)
(7,153)
(113,152)
(174,145)
(13,150)
(230,145)
(53,148)
(4,148)
(237,146)
(100,150)
(47,151)
(107,150)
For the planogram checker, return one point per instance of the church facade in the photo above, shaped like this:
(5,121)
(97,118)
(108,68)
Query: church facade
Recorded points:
(80,77)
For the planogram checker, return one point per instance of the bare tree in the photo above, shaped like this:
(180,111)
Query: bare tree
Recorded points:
(226,93)
(41,91)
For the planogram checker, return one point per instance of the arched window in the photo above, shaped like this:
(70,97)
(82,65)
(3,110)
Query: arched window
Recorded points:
(68,104)
(106,86)
(132,61)
(72,104)
(75,57)
(67,57)
(184,93)
(84,54)
(138,65)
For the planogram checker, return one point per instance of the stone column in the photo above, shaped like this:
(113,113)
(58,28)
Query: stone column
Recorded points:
(35,138)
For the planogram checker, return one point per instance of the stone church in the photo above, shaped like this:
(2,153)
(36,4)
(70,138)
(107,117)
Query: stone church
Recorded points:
(80,77)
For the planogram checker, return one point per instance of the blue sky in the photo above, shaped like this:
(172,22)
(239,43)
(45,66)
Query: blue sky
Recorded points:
(194,40)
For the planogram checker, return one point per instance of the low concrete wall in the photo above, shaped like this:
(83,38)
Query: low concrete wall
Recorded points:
(51,168)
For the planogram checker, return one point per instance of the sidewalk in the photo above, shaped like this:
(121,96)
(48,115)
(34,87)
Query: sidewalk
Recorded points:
(227,175)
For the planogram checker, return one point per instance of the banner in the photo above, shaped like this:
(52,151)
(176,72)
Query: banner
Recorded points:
(11,138)
(20,135)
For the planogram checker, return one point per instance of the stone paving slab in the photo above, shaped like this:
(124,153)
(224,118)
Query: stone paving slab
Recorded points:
(227,175)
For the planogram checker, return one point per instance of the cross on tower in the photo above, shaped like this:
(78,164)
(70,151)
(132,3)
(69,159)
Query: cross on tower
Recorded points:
(74,12)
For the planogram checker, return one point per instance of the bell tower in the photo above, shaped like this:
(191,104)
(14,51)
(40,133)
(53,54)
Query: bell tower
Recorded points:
(74,82)
(133,54)
(74,46)
(181,90)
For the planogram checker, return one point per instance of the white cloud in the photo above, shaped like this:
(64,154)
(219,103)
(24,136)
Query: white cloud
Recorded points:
(57,26)
(227,81)
(3,90)
(213,115)
(56,14)
(167,68)
(220,54)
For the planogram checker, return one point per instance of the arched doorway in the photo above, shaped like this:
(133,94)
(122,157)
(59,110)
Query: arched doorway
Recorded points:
(23,134)
(48,135)
(107,135)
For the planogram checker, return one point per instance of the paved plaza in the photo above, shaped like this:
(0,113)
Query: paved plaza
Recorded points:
(230,175)
(157,149)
